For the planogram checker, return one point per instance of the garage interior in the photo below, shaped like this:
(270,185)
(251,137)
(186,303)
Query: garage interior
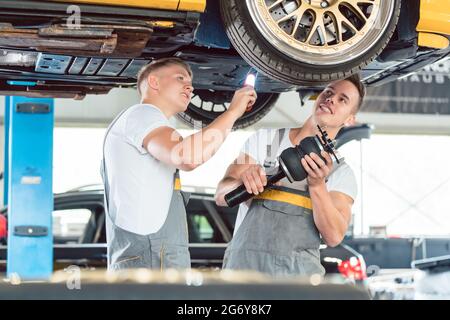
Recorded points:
(399,237)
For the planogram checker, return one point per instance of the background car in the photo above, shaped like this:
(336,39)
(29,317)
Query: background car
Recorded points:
(57,49)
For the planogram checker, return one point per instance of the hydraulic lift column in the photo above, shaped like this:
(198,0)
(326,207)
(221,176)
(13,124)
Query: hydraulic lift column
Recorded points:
(28,186)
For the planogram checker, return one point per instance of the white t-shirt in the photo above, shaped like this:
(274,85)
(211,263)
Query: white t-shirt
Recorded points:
(140,186)
(341,180)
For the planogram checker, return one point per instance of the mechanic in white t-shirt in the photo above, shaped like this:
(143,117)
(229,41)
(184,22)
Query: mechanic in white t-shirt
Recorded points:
(146,220)
(278,231)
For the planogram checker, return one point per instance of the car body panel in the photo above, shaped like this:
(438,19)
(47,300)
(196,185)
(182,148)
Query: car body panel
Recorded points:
(434,16)
(180,5)
(434,24)
(432,40)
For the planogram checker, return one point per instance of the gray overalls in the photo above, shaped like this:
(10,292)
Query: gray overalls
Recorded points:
(278,235)
(167,248)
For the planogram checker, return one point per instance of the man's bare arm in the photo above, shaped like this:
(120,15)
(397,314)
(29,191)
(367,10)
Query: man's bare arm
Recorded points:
(166,144)
(244,168)
(332,213)
(331,210)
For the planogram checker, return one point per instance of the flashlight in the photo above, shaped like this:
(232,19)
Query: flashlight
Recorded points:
(250,80)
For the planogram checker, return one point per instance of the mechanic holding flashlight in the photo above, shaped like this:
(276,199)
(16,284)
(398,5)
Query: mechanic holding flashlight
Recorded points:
(146,219)
(278,231)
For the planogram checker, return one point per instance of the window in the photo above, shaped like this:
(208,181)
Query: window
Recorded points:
(205,230)
(69,225)
(405,185)
(202,228)
(76,158)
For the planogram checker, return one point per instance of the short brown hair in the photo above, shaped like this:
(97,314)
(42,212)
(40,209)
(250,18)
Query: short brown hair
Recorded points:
(356,81)
(157,64)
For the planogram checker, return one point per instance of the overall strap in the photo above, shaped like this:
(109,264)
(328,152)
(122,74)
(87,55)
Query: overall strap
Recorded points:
(273,147)
(176,180)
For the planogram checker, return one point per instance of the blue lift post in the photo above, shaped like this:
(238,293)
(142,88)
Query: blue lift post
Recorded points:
(28,186)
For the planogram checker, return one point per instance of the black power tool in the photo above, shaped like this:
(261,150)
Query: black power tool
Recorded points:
(290,165)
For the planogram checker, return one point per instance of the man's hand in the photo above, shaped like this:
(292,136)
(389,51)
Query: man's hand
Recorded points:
(316,168)
(254,179)
(242,101)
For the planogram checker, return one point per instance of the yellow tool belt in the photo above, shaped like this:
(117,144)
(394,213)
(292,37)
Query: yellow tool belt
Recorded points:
(286,197)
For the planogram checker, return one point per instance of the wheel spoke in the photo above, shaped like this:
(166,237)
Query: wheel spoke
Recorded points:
(276,3)
(297,12)
(318,24)
(353,6)
(300,12)
(337,29)
(340,19)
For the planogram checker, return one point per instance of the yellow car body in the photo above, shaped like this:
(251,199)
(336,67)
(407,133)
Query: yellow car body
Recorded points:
(434,23)
(178,5)
(433,26)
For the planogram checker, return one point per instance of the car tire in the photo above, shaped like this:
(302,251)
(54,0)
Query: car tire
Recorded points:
(197,116)
(272,52)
